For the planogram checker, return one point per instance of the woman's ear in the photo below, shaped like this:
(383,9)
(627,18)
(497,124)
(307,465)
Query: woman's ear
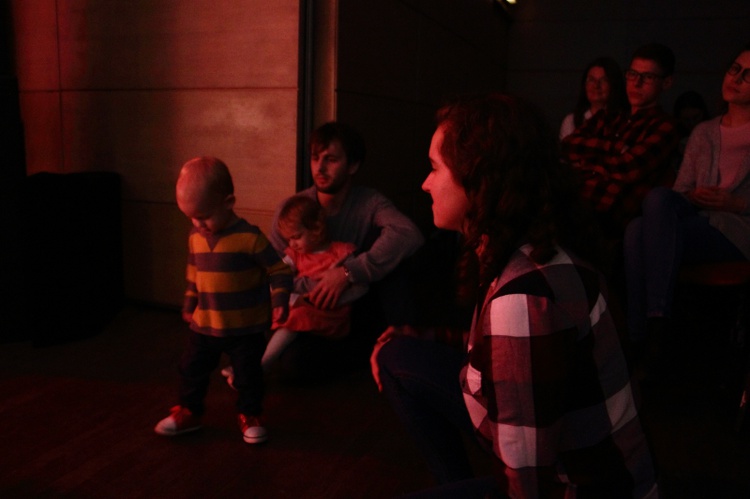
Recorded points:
(229,201)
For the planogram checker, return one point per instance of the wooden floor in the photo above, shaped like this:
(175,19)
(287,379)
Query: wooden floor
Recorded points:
(76,420)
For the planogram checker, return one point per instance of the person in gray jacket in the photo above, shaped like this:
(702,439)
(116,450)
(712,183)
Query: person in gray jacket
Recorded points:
(384,237)
(705,217)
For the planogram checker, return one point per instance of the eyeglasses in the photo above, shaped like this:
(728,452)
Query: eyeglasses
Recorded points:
(648,78)
(735,69)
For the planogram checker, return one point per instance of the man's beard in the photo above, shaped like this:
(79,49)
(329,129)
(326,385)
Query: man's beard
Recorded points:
(333,188)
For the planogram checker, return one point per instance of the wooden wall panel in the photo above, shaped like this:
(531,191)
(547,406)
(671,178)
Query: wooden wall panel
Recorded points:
(155,252)
(35,44)
(40,112)
(178,43)
(139,87)
(147,136)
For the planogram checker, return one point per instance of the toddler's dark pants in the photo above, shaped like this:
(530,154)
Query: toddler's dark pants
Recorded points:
(202,356)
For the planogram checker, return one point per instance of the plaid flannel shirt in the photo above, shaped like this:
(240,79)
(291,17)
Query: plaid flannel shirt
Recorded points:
(547,386)
(621,157)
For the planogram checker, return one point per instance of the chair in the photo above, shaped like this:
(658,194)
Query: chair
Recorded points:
(736,275)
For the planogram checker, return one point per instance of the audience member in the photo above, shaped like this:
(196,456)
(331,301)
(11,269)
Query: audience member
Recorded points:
(704,218)
(383,236)
(544,386)
(602,88)
(231,266)
(621,157)
(310,253)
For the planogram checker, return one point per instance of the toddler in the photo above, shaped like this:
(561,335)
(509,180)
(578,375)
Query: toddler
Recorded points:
(310,253)
(234,276)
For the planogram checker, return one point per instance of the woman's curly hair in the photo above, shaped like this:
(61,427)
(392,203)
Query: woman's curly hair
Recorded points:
(505,155)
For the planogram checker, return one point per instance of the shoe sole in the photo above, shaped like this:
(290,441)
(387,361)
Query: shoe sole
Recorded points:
(168,433)
(255,440)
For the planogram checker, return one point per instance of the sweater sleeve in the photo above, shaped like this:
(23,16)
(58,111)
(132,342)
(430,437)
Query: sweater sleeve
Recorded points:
(700,161)
(686,175)
(398,239)
(397,236)
(191,292)
(280,275)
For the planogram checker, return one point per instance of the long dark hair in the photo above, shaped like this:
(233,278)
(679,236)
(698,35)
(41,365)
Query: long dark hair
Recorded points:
(618,98)
(504,154)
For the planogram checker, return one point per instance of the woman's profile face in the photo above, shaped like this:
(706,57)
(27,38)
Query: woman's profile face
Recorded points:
(449,201)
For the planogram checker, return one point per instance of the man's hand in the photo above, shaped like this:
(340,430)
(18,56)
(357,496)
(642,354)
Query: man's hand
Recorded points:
(280,313)
(328,291)
(187,317)
(716,198)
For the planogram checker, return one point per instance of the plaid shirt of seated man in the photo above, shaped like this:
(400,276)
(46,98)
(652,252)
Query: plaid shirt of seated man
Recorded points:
(621,157)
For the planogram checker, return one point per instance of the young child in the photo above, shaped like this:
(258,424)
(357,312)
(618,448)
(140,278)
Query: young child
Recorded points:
(231,266)
(310,253)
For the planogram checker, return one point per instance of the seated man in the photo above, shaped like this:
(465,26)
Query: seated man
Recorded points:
(621,157)
(384,238)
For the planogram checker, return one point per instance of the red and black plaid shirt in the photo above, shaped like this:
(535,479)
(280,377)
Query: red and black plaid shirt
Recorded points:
(621,157)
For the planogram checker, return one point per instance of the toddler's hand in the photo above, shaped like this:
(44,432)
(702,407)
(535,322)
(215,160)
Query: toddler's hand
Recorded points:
(279,314)
(187,317)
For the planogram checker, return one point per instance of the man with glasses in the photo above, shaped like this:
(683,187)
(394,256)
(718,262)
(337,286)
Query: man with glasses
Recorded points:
(621,156)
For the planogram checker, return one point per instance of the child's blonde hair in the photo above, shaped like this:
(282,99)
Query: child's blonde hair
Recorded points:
(208,176)
(304,211)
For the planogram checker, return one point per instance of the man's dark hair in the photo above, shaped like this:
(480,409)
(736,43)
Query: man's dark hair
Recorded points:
(349,138)
(660,54)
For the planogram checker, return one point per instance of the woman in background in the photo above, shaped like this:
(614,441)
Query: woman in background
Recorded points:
(602,87)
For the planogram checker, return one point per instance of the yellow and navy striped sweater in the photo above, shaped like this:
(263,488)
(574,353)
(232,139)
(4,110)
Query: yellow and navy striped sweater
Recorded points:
(234,277)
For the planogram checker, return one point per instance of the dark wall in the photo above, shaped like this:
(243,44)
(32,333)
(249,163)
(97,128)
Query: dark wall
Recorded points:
(12,173)
(13,168)
(551,42)
(397,60)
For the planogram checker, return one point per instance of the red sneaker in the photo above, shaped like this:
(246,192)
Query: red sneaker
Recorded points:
(252,430)
(180,420)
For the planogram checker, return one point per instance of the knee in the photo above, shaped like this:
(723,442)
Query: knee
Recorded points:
(633,235)
(388,355)
(394,356)
(658,200)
